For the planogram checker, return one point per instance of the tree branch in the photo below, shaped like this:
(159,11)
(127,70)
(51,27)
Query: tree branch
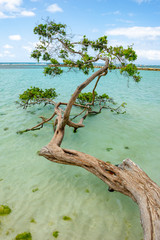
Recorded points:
(93,92)
(127,178)
(39,125)
(79,89)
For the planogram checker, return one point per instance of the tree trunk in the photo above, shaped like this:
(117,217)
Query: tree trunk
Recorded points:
(126,178)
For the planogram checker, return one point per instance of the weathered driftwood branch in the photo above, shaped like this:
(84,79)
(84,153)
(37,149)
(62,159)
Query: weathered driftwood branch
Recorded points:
(126,178)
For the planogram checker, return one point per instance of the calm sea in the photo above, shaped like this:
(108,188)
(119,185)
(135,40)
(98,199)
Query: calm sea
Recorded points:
(35,188)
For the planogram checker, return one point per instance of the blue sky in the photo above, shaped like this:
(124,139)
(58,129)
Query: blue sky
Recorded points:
(125,22)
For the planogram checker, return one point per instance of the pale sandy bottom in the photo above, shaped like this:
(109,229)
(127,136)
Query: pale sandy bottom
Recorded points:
(95,213)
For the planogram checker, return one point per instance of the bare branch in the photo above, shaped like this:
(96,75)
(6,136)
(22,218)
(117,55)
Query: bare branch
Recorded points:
(39,125)
(79,89)
(93,92)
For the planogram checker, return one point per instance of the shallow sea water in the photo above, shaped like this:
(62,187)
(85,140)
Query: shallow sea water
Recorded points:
(95,213)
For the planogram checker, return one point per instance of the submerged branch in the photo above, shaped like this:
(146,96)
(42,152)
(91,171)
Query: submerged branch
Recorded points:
(39,125)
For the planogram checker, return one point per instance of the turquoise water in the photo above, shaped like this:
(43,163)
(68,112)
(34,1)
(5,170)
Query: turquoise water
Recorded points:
(71,191)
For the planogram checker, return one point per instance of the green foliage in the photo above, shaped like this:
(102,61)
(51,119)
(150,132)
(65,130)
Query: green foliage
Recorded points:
(112,66)
(4,210)
(52,71)
(109,149)
(36,54)
(99,45)
(104,96)
(54,61)
(70,63)
(35,189)
(66,218)
(25,236)
(53,38)
(35,93)
(86,97)
(123,104)
(63,54)
(33,220)
(131,70)
(55,234)
(50,29)
(46,56)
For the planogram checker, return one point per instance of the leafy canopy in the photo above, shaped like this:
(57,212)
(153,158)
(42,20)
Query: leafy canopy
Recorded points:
(55,47)
(87,97)
(34,93)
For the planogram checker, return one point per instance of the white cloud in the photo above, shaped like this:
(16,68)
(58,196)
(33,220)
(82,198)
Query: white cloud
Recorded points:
(54,8)
(149,54)
(7,46)
(15,37)
(27,13)
(12,8)
(10,5)
(136,32)
(3,16)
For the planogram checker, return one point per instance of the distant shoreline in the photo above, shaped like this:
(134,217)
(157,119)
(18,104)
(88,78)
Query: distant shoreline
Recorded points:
(139,68)
(32,65)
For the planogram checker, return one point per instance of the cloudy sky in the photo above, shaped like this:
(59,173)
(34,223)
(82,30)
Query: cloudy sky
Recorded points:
(125,22)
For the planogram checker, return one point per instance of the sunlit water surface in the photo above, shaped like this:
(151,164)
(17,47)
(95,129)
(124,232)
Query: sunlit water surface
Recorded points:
(95,213)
